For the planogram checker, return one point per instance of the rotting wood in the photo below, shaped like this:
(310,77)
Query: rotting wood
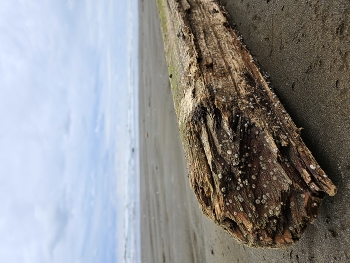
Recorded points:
(251,172)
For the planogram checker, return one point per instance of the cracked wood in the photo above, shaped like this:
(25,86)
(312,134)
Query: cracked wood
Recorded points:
(248,166)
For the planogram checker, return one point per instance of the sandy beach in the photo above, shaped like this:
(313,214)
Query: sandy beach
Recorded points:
(304,46)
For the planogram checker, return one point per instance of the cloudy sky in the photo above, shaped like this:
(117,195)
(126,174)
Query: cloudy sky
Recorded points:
(66,129)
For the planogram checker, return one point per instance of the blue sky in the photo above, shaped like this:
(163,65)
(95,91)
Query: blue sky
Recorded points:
(67,126)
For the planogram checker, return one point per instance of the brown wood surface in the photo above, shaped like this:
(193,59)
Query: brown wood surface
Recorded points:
(248,166)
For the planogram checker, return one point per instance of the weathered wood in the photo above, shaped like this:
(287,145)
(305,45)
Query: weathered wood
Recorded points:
(250,170)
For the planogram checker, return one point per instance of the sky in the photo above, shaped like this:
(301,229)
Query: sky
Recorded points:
(68,131)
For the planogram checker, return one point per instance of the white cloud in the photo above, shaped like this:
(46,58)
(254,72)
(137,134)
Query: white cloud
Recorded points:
(62,74)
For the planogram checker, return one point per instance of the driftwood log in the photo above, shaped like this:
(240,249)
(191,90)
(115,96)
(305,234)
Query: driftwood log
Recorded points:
(248,166)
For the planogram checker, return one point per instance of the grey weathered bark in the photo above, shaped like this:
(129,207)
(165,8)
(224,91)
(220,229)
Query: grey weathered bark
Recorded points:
(250,170)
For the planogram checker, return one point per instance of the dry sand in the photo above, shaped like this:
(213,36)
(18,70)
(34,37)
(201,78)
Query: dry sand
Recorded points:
(305,48)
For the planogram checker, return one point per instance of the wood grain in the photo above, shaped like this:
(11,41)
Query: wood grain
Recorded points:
(248,166)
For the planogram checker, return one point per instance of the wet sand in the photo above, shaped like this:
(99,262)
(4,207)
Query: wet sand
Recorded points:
(305,48)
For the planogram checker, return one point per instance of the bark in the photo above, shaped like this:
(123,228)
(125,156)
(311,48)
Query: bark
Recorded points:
(248,166)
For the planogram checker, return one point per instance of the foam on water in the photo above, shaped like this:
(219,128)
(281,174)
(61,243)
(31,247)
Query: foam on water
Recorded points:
(132,209)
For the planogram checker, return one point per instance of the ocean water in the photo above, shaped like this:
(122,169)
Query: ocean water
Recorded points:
(69,165)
